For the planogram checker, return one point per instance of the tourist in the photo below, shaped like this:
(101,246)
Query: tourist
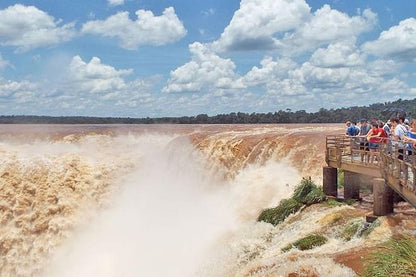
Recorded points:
(387,127)
(351,130)
(375,136)
(406,124)
(364,129)
(398,136)
(410,138)
(357,130)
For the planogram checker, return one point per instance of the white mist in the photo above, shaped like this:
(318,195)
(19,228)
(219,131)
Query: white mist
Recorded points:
(163,223)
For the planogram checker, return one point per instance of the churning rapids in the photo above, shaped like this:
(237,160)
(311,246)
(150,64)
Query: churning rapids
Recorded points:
(162,200)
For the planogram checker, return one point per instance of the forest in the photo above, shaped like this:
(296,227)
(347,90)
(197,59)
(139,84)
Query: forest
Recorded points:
(382,111)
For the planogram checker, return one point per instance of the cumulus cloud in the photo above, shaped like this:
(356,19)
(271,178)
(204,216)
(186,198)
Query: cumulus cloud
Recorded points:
(21,91)
(206,71)
(147,29)
(94,76)
(338,55)
(270,70)
(327,26)
(115,2)
(383,67)
(256,22)
(399,42)
(90,88)
(290,27)
(98,88)
(27,27)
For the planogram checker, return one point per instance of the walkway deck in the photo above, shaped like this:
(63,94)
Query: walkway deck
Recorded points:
(392,163)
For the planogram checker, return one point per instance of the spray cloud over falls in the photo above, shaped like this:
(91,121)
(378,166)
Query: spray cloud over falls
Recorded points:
(139,203)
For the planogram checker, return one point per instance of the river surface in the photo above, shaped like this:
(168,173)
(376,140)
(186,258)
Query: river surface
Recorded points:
(165,200)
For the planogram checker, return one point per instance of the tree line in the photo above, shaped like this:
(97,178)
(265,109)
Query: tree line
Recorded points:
(355,113)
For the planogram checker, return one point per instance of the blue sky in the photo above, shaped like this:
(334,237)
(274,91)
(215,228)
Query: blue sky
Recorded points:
(141,58)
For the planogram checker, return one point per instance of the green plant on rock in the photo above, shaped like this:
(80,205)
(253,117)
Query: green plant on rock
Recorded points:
(278,214)
(306,243)
(333,203)
(366,232)
(350,230)
(307,192)
(397,257)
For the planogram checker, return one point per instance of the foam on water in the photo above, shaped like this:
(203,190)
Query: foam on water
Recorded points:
(153,204)
(170,214)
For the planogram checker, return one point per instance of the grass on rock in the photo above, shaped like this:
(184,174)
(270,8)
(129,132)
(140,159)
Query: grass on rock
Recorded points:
(306,193)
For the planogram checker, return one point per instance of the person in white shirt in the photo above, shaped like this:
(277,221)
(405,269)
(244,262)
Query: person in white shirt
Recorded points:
(397,135)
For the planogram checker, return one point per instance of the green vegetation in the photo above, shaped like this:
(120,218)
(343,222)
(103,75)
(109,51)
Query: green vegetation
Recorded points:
(350,201)
(396,258)
(350,230)
(340,178)
(358,228)
(278,214)
(333,203)
(306,193)
(306,243)
(281,116)
(370,228)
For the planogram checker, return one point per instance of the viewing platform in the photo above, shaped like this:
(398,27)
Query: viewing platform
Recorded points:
(390,168)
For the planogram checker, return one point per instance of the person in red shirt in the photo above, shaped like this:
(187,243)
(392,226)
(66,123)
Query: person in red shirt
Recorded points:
(375,136)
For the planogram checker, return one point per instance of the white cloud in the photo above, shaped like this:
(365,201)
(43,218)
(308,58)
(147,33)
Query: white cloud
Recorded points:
(289,26)
(115,2)
(21,91)
(94,76)
(383,67)
(398,42)
(338,55)
(87,88)
(327,26)
(270,70)
(146,30)
(27,27)
(206,71)
(255,23)
(286,87)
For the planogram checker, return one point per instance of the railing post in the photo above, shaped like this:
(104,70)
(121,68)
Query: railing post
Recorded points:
(383,197)
(330,181)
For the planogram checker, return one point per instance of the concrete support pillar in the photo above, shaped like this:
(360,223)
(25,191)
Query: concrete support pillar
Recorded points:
(351,185)
(397,198)
(330,181)
(383,197)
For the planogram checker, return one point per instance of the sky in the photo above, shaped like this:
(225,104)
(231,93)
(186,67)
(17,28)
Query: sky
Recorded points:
(146,58)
